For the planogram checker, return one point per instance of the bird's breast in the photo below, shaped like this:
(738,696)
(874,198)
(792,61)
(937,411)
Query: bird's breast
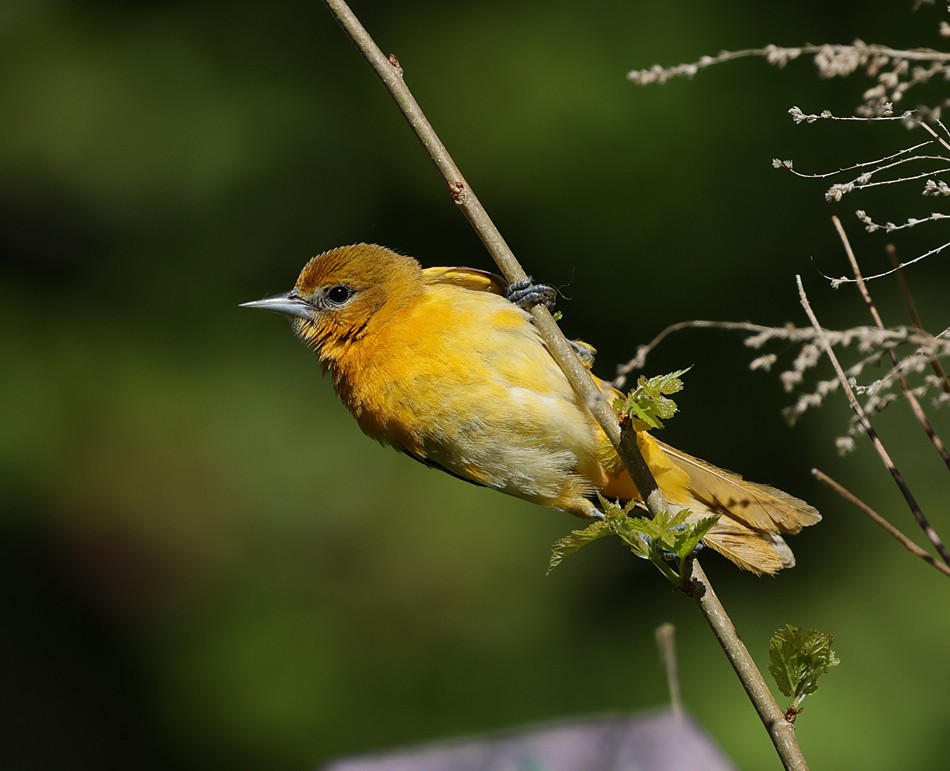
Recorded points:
(462,380)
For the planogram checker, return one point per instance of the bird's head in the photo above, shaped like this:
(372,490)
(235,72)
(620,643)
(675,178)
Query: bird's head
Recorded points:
(339,295)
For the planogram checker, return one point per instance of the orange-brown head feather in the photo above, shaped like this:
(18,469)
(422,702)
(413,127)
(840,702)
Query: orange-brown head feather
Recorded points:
(351,289)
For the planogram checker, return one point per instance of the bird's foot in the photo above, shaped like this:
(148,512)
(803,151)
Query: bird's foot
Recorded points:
(585,351)
(526,294)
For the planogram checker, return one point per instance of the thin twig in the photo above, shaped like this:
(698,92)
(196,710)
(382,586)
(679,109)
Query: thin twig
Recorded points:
(934,134)
(781,55)
(666,642)
(914,316)
(901,377)
(389,72)
(778,164)
(781,731)
(869,429)
(875,517)
(638,361)
(837,282)
(760,334)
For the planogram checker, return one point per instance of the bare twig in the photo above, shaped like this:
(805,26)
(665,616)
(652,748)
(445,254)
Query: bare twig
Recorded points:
(931,534)
(868,174)
(781,731)
(902,379)
(389,72)
(870,338)
(941,139)
(914,316)
(896,73)
(869,167)
(638,361)
(837,282)
(666,642)
(840,59)
(877,518)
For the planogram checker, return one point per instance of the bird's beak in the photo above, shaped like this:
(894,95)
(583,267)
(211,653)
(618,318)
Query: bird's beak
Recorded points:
(289,304)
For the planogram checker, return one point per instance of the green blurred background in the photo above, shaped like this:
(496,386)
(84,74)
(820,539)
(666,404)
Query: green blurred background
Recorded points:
(206,565)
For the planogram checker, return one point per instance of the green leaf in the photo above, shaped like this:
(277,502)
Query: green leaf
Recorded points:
(687,540)
(576,539)
(662,529)
(647,405)
(668,540)
(797,659)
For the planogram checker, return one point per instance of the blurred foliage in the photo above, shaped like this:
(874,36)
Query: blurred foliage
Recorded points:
(205,565)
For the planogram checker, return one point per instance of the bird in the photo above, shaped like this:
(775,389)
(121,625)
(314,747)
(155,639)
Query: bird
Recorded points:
(445,365)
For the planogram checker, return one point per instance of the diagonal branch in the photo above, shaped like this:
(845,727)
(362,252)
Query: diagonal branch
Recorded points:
(390,73)
(914,316)
(902,539)
(931,534)
(902,378)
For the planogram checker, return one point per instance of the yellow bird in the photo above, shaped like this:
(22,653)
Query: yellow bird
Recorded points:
(441,365)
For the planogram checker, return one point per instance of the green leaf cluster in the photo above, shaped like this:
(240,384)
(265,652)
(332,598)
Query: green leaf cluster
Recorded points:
(647,405)
(668,540)
(797,659)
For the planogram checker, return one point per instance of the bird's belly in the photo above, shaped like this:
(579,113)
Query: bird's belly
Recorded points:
(482,399)
(519,441)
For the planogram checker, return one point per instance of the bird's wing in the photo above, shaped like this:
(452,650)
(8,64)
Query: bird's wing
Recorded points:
(758,506)
(750,549)
(468,278)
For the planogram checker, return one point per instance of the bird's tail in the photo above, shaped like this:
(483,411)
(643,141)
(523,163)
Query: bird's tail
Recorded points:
(752,517)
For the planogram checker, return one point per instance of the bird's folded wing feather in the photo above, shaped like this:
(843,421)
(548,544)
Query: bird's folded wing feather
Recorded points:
(759,506)
(749,549)
(468,278)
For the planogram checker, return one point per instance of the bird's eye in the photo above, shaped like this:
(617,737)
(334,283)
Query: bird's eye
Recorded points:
(339,294)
